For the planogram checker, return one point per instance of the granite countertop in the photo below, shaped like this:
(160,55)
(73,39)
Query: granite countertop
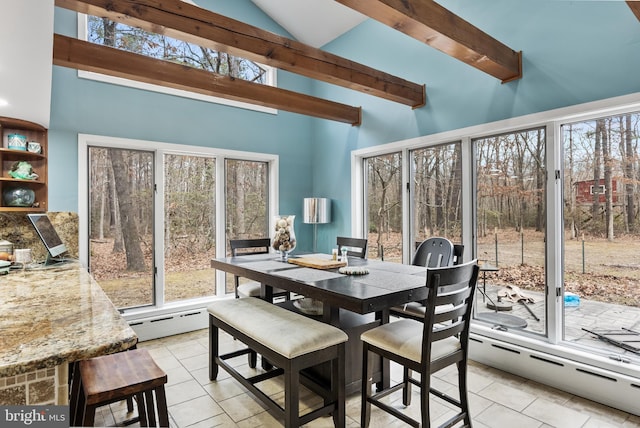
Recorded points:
(57,314)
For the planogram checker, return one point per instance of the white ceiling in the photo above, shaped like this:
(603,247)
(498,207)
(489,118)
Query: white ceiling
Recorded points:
(26,43)
(313,22)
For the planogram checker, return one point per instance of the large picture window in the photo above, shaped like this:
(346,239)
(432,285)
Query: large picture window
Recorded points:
(549,206)
(158,213)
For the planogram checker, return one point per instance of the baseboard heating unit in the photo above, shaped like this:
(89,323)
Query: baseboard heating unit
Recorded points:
(169,324)
(613,389)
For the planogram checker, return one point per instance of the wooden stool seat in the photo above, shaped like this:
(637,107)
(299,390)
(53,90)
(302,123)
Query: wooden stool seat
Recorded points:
(116,377)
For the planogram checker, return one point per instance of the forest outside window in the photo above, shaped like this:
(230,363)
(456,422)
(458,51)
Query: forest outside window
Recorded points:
(105,32)
(602,226)
(157,214)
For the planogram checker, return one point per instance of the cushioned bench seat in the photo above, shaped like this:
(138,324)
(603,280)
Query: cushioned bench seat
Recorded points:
(289,341)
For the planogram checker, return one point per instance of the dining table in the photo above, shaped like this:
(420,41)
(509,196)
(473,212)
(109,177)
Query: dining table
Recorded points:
(352,302)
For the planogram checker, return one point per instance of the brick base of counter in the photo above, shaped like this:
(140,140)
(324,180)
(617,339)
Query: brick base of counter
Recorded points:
(39,387)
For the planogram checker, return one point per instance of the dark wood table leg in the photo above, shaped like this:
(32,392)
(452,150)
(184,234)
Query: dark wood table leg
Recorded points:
(385,365)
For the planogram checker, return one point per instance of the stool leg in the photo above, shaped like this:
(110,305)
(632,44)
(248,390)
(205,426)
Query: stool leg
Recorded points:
(151,408)
(75,403)
(161,401)
(142,412)
(88,416)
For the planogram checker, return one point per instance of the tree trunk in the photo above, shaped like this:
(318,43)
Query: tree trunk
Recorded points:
(608,180)
(630,155)
(130,234)
(595,207)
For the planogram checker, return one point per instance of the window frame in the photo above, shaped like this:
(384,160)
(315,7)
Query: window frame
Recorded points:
(160,149)
(272,80)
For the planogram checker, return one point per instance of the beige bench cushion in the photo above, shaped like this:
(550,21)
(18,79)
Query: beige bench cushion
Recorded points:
(287,333)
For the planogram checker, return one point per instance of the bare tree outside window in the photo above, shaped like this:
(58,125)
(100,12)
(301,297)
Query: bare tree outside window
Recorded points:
(109,33)
(437,192)
(189,226)
(121,224)
(384,206)
(510,227)
(247,190)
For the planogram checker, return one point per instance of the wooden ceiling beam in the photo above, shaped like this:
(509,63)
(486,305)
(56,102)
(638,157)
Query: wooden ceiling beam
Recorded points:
(634,5)
(190,23)
(73,53)
(430,23)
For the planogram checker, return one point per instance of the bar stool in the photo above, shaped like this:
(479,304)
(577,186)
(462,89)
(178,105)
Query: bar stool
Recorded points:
(116,377)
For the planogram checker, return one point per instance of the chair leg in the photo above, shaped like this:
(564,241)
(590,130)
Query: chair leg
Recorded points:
(338,388)
(425,388)
(406,389)
(462,391)
(365,390)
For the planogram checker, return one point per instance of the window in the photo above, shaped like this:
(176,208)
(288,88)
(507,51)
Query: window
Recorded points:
(437,192)
(189,226)
(551,203)
(109,33)
(121,238)
(384,207)
(247,196)
(510,228)
(158,213)
(602,231)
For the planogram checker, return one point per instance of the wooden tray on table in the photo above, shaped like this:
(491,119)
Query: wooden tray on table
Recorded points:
(317,262)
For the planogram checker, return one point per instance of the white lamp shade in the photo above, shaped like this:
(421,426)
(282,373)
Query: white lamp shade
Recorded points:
(317,210)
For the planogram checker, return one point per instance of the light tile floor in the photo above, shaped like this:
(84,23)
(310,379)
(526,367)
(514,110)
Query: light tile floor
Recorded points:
(498,399)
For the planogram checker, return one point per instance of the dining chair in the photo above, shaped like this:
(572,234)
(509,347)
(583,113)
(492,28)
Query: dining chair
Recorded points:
(431,253)
(356,247)
(241,247)
(439,340)
(434,252)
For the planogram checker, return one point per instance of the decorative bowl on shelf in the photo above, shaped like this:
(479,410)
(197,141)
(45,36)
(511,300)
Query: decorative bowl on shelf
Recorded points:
(19,197)
(17,142)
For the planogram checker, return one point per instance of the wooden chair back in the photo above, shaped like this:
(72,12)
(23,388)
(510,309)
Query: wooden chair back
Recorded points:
(448,311)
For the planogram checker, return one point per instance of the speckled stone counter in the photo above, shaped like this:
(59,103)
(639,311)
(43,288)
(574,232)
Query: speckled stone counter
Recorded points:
(48,318)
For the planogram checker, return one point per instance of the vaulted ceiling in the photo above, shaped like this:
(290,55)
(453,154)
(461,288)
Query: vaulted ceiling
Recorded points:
(425,20)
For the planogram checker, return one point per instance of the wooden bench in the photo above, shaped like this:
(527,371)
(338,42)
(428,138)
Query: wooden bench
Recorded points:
(289,341)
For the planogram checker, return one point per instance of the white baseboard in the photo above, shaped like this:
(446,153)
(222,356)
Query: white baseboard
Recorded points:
(170,324)
(603,386)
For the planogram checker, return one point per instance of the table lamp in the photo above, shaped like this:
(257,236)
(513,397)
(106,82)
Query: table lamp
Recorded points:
(316,211)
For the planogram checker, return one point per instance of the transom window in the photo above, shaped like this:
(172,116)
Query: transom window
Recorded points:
(106,32)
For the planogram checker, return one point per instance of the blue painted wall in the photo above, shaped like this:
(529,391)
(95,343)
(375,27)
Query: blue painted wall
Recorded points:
(573,52)
(85,106)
